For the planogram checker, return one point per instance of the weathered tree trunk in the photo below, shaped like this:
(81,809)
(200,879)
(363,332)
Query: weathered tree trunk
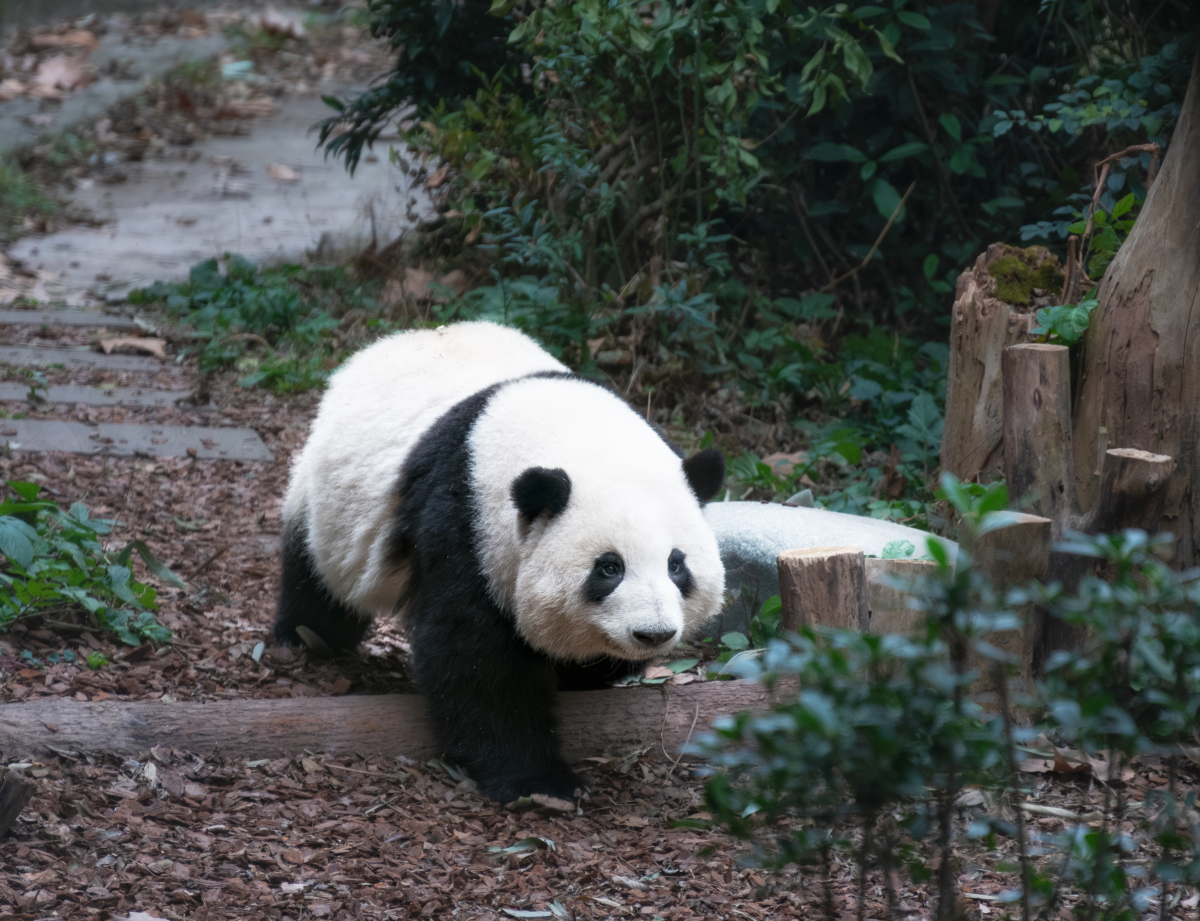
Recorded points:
(983,323)
(1141,361)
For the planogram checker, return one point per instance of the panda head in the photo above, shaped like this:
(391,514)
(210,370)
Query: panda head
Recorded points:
(624,570)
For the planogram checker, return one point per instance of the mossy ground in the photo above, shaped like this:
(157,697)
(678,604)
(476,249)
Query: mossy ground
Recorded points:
(1019,271)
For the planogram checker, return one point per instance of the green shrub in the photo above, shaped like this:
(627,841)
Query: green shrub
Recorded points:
(55,564)
(871,754)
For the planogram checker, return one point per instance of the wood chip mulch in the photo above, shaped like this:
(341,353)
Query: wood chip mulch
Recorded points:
(180,836)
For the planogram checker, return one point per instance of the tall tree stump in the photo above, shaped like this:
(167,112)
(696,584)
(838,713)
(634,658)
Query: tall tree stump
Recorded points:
(824,586)
(983,323)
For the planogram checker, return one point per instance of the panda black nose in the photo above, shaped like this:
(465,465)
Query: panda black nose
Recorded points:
(652,637)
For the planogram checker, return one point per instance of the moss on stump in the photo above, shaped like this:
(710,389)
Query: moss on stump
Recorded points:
(1019,271)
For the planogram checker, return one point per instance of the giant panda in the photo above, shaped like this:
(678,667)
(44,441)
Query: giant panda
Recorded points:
(531,530)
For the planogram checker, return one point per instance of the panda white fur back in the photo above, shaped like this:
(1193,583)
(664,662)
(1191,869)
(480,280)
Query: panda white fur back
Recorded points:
(377,406)
(532,528)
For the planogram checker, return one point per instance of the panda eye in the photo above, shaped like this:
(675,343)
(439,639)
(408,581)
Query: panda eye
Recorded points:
(673,566)
(608,572)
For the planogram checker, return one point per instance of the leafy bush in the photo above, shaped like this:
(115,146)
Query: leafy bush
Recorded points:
(286,310)
(55,564)
(871,754)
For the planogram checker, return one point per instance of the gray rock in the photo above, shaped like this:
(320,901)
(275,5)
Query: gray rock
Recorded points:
(752,534)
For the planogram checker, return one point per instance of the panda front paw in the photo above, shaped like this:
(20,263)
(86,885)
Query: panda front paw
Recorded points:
(558,789)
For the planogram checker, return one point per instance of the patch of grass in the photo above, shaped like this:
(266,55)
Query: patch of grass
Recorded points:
(21,198)
(286,327)
(53,564)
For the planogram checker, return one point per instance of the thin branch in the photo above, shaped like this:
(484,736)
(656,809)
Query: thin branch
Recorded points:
(883,233)
(943,181)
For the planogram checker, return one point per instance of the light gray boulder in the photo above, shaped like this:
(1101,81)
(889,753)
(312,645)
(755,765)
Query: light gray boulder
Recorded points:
(752,534)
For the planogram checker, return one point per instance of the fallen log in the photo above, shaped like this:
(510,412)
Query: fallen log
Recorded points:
(662,717)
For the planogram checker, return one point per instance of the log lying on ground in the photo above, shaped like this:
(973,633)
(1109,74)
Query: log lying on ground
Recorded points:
(392,724)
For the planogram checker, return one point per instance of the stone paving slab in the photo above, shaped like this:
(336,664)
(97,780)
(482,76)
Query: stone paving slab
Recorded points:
(64,318)
(79,358)
(131,397)
(125,439)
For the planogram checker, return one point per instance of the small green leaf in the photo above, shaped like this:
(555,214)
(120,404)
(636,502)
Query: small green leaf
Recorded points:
(953,127)
(735,641)
(898,550)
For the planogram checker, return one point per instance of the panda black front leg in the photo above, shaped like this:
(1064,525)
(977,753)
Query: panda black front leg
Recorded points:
(491,700)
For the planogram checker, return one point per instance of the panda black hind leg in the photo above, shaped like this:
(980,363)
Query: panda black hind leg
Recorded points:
(305,601)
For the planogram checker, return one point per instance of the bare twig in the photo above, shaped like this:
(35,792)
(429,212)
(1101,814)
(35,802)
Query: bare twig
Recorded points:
(883,233)
(208,562)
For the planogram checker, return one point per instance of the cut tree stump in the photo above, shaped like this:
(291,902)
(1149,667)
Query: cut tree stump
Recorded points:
(1040,469)
(1013,556)
(390,724)
(824,586)
(981,326)
(890,610)
(1037,431)
(15,791)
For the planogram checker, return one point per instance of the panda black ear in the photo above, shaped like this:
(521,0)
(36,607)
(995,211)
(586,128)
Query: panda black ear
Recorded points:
(539,490)
(705,473)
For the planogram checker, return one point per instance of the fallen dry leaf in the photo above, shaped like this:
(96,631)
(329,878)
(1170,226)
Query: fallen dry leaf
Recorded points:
(10,89)
(282,174)
(437,178)
(150,346)
(61,72)
(658,671)
(783,464)
(80,37)
(274,22)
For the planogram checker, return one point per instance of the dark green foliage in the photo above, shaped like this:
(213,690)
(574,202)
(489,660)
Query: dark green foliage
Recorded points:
(442,48)
(55,564)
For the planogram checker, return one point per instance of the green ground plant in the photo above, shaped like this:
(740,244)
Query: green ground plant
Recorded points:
(871,758)
(55,564)
(279,325)
(20,198)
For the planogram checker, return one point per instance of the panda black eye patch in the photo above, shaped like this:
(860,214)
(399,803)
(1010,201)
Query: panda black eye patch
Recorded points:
(677,569)
(607,573)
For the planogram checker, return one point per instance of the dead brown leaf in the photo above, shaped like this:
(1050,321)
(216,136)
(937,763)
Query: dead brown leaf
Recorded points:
(658,671)
(437,178)
(61,72)
(79,37)
(282,174)
(10,89)
(783,464)
(147,345)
